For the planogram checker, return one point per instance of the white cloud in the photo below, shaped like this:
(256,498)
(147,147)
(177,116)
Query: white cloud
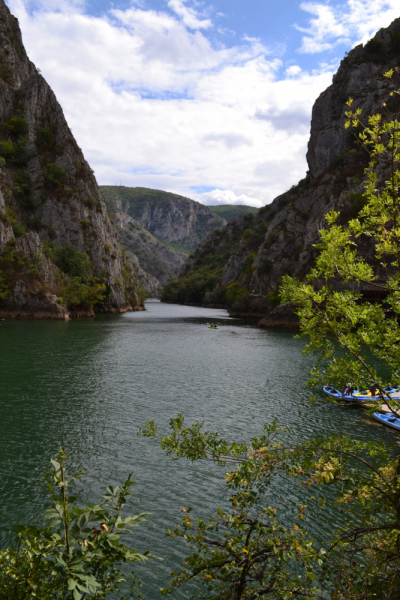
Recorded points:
(294,118)
(293,71)
(351,23)
(229,140)
(216,197)
(152,103)
(189,16)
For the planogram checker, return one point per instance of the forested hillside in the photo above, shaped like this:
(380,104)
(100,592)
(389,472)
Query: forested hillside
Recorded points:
(230,211)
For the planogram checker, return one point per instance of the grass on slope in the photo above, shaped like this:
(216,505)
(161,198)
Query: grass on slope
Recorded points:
(229,211)
(138,197)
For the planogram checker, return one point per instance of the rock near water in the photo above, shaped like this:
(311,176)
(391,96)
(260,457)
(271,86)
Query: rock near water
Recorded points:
(49,199)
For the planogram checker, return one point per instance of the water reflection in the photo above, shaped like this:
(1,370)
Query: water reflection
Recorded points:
(90,384)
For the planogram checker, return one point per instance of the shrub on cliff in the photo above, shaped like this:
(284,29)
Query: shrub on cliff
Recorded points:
(132,289)
(83,289)
(15,154)
(23,188)
(17,126)
(12,263)
(46,139)
(376,48)
(54,177)
(77,294)
(73,263)
(395,41)
(5,69)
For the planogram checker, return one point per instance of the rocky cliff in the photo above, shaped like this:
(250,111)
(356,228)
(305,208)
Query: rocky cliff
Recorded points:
(159,228)
(242,266)
(59,251)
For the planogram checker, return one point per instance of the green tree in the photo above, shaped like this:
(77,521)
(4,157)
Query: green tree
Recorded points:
(355,340)
(253,551)
(73,263)
(249,552)
(77,554)
(77,294)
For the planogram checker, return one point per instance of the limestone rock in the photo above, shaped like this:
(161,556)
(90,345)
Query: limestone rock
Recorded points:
(46,185)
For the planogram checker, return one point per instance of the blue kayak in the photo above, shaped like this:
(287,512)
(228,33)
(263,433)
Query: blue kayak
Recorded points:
(388,419)
(356,396)
(364,396)
(390,389)
(334,393)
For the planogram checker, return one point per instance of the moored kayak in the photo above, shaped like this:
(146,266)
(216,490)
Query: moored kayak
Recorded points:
(388,419)
(364,396)
(390,389)
(355,397)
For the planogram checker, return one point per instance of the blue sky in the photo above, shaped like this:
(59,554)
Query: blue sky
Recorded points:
(211,100)
(272,22)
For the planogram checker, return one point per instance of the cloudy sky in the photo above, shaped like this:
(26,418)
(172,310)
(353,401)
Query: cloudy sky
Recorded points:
(208,99)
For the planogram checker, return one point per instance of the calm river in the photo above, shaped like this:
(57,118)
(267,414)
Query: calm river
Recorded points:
(89,385)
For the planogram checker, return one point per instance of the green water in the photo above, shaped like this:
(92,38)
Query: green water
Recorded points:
(89,385)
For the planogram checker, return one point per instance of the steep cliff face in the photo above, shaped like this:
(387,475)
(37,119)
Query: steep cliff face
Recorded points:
(49,199)
(159,228)
(242,267)
(158,263)
(173,219)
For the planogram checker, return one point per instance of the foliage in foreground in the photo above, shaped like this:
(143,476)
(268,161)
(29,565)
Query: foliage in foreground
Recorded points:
(250,551)
(77,554)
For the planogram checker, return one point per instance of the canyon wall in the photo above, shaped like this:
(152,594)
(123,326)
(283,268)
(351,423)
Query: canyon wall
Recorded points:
(49,200)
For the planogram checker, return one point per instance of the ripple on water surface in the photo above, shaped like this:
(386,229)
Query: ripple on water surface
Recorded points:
(89,385)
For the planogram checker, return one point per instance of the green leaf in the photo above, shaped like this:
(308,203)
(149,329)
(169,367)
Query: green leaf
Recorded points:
(77,595)
(71,584)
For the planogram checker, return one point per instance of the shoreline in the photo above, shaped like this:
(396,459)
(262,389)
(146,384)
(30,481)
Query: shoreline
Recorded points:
(63,314)
(265,320)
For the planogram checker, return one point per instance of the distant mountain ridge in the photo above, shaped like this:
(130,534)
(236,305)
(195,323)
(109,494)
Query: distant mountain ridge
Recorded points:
(178,221)
(159,228)
(230,211)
